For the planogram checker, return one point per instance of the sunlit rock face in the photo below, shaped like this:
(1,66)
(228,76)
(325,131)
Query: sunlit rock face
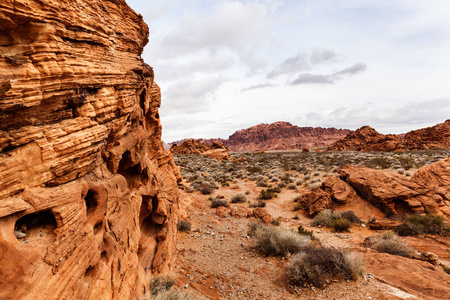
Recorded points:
(88,196)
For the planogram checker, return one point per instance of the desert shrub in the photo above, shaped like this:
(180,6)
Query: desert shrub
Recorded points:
(275,189)
(258,204)
(326,217)
(316,266)
(247,192)
(261,183)
(406,162)
(162,288)
(350,215)
(307,177)
(380,162)
(297,206)
(254,170)
(238,198)
(281,185)
(277,221)
(160,284)
(292,186)
(184,225)
(299,182)
(203,188)
(388,242)
(341,224)
(424,224)
(265,195)
(219,202)
(296,198)
(303,231)
(269,240)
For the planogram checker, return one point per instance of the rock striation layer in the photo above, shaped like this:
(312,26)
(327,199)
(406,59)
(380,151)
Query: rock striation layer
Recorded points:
(368,139)
(88,196)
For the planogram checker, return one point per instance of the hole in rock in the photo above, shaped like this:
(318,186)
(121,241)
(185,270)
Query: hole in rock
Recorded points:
(91,201)
(36,227)
(90,272)
(402,208)
(142,100)
(98,227)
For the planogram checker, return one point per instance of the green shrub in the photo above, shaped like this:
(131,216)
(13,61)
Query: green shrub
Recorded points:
(269,240)
(316,266)
(184,225)
(424,224)
(265,195)
(204,188)
(297,206)
(219,202)
(341,224)
(238,198)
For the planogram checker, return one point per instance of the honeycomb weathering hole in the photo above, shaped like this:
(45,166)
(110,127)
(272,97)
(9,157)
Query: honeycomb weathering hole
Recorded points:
(91,200)
(36,227)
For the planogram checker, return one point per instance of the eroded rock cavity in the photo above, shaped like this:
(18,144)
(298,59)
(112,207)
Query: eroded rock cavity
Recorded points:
(88,196)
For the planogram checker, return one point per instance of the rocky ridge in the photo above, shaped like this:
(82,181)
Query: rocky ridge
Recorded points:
(88,196)
(368,139)
(278,136)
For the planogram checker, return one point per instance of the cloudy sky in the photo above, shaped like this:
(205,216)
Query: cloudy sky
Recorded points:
(228,65)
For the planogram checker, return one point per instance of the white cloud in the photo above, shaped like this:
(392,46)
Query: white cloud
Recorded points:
(291,65)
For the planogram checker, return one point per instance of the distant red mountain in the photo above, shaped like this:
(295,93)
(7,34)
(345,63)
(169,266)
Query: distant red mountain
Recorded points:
(368,139)
(278,136)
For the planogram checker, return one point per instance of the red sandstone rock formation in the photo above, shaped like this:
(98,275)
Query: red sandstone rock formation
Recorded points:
(426,192)
(216,150)
(88,196)
(282,136)
(278,136)
(368,139)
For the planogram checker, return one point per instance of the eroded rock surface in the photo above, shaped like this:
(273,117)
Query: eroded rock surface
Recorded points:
(426,192)
(88,196)
(215,150)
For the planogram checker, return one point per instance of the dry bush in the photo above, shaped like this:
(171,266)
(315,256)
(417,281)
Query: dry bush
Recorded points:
(184,225)
(162,288)
(388,242)
(265,195)
(269,240)
(316,266)
(326,217)
(219,202)
(424,224)
(238,198)
(341,224)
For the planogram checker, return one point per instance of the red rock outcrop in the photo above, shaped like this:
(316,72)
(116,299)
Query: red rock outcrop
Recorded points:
(368,139)
(393,194)
(216,150)
(279,136)
(88,196)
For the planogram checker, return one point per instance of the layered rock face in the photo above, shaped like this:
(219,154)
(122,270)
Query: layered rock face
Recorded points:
(426,192)
(88,196)
(368,139)
(215,150)
(283,136)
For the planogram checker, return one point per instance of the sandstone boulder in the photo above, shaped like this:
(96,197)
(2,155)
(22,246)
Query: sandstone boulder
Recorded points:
(216,150)
(340,191)
(315,201)
(88,196)
(263,215)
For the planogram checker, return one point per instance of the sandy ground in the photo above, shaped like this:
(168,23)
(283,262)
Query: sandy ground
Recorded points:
(216,258)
